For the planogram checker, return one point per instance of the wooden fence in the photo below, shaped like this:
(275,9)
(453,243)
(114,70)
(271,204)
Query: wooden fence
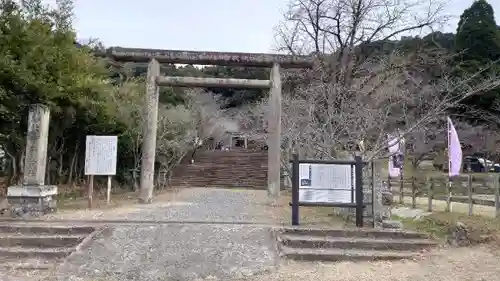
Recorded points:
(473,189)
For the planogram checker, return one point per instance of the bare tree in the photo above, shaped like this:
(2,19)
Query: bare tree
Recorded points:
(129,101)
(177,129)
(212,122)
(481,139)
(353,96)
(425,142)
(178,126)
(339,26)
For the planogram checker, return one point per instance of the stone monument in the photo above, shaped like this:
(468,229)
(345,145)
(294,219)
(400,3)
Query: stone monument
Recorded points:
(33,197)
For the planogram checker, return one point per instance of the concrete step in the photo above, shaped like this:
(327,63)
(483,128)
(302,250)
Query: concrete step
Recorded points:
(236,163)
(392,224)
(333,255)
(40,241)
(313,242)
(355,232)
(231,155)
(45,229)
(190,185)
(224,178)
(227,175)
(39,253)
(27,263)
(219,181)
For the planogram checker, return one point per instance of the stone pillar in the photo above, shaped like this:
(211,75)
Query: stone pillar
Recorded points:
(379,211)
(33,197)
(274,135)
(149,133)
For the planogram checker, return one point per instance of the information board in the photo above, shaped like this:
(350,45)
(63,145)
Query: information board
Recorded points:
(100,155)
(326,183)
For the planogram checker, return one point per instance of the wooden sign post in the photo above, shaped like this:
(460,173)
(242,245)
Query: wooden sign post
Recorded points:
(100,160)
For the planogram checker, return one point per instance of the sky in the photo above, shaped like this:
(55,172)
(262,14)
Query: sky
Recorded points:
(200,25)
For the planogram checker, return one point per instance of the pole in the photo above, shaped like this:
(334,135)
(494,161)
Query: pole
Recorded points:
(496,186)
(389,187)
(274,136)
(295,189)
(448,191)
(375,189)
(359,191)
(90,190)
(469,188)
(430,189)
(150,128)
(401,179)
(108,192)
(448,197)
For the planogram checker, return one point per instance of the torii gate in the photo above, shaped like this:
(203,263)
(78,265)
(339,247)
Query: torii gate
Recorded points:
(154,57)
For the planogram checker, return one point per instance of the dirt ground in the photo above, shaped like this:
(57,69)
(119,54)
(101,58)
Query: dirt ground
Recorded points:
(467,264)
(479,263)
(122,204)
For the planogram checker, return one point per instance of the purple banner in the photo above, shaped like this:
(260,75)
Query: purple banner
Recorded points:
(454,151)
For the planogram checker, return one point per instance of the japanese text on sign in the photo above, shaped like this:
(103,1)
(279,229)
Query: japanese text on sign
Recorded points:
(100,155)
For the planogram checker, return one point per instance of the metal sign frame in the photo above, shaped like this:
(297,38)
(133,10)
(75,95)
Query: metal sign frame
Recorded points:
(357,203)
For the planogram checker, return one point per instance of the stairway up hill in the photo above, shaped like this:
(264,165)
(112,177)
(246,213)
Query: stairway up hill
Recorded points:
(215,168)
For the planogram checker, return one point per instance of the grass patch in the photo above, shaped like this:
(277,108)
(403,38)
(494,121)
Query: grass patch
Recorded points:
(308,216)
(441,225)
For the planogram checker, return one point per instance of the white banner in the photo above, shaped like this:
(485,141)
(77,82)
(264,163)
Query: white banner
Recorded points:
(396,154)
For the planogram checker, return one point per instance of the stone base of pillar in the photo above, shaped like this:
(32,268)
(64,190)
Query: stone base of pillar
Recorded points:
(32,201)
(383,211)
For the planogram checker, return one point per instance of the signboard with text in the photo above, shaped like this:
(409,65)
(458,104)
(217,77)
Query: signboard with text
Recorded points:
(326,183)
(100,155)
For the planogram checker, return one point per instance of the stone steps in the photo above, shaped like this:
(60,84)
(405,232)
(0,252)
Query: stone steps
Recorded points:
(25,264)
(30,240)
(38,252)
(219,184)
(40,229)
(316,244)
(38,247)
(303,241)
(242,168)
(337,255)
(355,232)
(216,174)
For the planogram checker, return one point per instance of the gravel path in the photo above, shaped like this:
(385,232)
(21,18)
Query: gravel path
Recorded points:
(205,204)
(202,204)
(183,251)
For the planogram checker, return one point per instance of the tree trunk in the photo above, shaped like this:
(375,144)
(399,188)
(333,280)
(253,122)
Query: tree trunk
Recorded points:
(12,170)
(72,165)
(20,167)
(48,177)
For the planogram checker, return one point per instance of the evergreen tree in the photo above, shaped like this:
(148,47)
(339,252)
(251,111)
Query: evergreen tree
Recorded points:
(477,43)
(477,34)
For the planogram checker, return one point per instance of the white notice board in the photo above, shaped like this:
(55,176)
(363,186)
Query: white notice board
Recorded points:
(100,155)
(327,183)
